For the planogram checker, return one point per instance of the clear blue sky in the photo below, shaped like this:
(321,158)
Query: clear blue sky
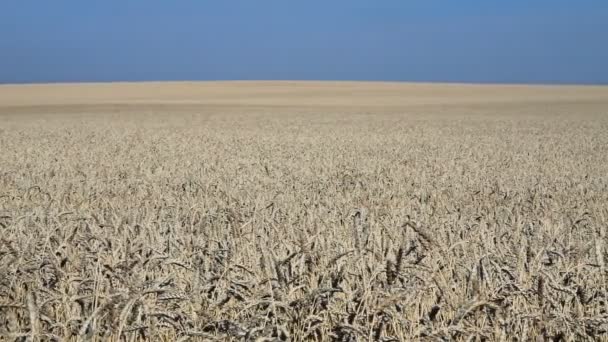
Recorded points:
(530,41)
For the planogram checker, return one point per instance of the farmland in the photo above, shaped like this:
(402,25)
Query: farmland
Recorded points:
(303,211)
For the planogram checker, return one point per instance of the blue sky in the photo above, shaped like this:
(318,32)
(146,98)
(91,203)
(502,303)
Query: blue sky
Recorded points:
(516,41)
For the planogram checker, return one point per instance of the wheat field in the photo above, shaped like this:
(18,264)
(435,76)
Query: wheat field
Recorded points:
(303,211)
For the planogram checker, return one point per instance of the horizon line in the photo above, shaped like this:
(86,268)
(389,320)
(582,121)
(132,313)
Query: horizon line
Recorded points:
(422,82)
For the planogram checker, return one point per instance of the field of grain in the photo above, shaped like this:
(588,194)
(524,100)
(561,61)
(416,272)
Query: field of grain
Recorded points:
(303,211)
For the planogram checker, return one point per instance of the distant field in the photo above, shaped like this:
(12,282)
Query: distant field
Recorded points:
(275,96)
(315,211)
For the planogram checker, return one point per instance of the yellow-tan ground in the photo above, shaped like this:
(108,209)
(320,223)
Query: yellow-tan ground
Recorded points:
(275,96)
(296,211)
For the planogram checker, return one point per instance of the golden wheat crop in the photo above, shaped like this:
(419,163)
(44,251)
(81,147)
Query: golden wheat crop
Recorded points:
(470,217)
